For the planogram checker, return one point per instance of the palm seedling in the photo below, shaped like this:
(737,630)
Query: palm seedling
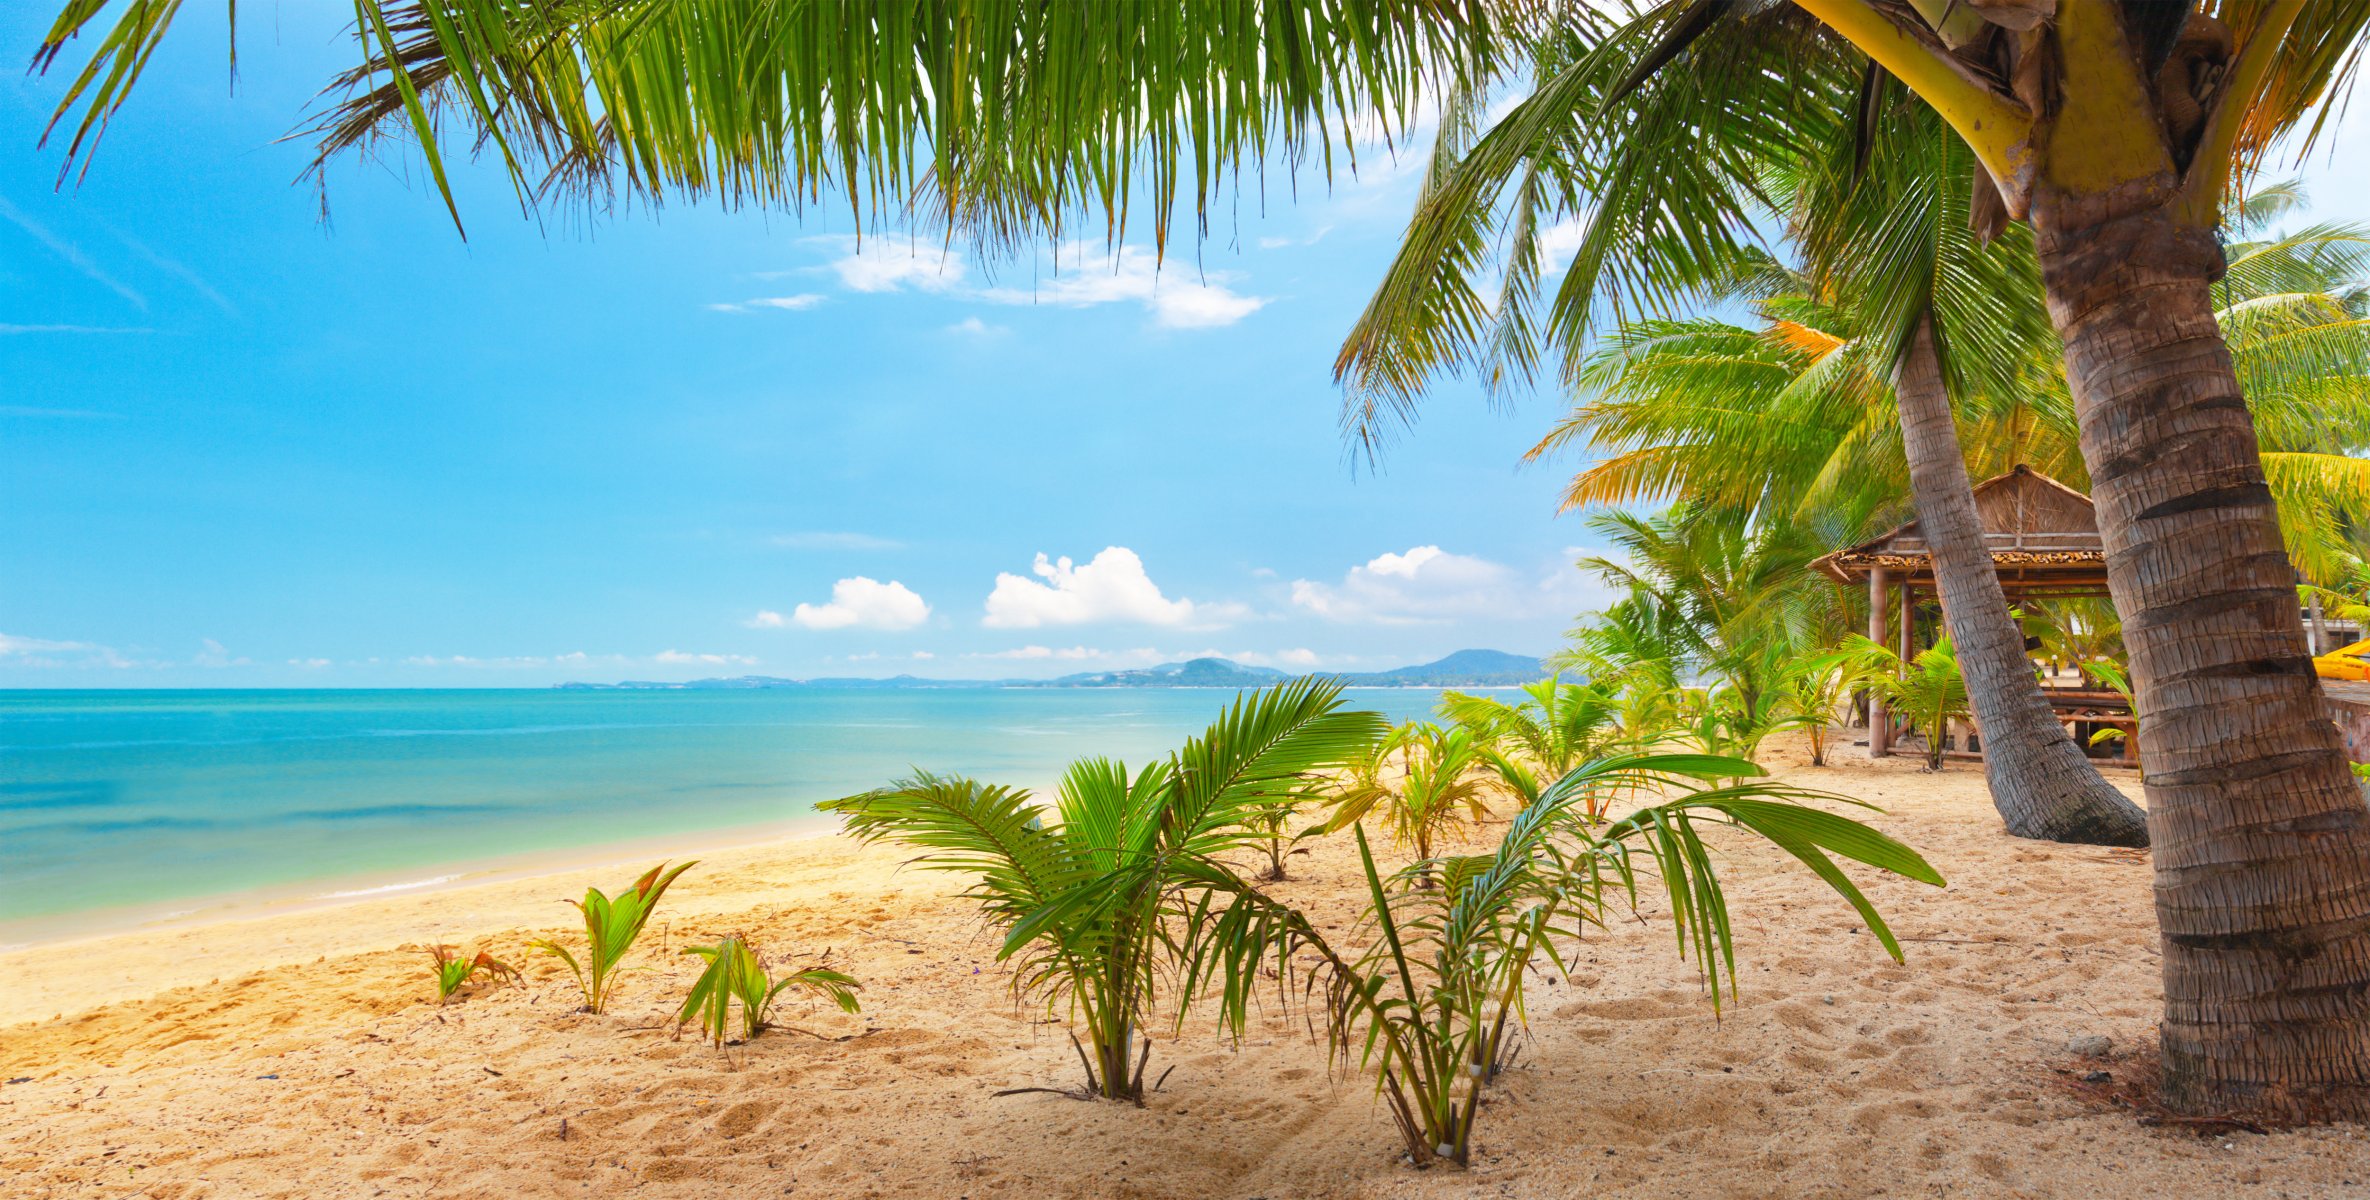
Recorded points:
(1079,940)
(1422,779)
(1427,1007)
(1927,689)
(611,923)
(452,970)
(1535,741)
(735,975)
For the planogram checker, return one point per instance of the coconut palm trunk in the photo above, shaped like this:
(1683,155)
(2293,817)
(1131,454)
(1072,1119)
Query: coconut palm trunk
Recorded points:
(2262,840)
(2042,783)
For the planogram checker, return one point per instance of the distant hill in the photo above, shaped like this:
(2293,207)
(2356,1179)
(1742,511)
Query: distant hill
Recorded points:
(1465,668)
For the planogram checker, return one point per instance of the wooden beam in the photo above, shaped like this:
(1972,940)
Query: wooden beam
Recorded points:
(1880,722)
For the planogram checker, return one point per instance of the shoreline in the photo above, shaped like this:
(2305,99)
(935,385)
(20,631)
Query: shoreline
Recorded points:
(219,941)
(88,925)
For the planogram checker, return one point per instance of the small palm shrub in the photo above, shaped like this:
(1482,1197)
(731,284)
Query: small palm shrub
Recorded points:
(1426,1008)
(1422,779)
(452,970)
(1927,689)
(611,923)
(735,975)
(1081,941)
(1535,741)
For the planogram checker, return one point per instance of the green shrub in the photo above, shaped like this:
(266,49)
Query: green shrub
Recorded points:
(610,926)
(1427,1007)
(736,974)
(1087,940)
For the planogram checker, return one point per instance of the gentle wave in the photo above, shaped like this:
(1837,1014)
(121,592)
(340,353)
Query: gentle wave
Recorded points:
(383,889)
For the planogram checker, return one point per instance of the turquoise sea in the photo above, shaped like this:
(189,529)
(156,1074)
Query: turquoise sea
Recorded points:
(118,807)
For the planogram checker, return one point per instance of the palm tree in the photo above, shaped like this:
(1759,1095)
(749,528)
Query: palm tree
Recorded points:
(2111,127)
(1535,741)
(1929,688)
(1424,780)
(1426,1005)
(1097,951)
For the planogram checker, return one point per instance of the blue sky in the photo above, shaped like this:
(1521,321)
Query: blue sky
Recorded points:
(247,448)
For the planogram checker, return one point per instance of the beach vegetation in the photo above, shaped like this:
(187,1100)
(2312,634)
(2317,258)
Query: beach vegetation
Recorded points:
(453,970)
(736,976)
(1928,688)
(1424,782)
(1532,742)
(1083,892)
(611,925)
(1428,1003)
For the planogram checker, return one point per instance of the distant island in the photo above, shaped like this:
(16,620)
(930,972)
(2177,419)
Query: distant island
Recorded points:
(1465,668)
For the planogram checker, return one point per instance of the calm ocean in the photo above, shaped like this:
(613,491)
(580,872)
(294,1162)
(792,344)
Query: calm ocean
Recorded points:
(121,806)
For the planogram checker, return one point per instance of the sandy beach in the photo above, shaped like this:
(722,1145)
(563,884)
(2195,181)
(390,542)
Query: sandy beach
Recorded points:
(301,1054)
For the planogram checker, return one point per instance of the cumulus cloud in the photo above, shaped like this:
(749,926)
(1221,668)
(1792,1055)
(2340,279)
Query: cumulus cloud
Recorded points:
(893,265)
(1111,587)
(1134,275)
(1559,242)
(1425,583)
(1176,299)
(797,303)
(858,602)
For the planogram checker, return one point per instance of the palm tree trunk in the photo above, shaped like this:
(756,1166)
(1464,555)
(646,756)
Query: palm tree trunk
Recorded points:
(2042,783)
(2262,839)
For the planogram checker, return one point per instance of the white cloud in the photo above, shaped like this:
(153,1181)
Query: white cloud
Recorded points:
(1278,243)
(923,655)
(820,540)
(1072,652)
(976,328)
(678,657)
(797,303)
(767,618)
(214,655)
(1111,587)
(310,664)
(1425,583)
(863,602)
(894,265)
(12,645)
(1559,242)
(1175,300)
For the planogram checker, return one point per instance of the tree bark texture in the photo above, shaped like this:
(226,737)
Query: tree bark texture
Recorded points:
(2041,782)
(2262,838)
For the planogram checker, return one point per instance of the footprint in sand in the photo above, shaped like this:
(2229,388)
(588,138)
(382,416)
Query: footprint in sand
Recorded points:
(744,1117)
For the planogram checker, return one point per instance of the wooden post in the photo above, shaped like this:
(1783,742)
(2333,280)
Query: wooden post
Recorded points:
(1880,722)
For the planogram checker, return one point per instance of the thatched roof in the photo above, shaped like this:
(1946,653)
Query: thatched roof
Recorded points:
(2043,537)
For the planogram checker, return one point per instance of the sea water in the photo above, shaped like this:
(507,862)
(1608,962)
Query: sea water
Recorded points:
(118,807)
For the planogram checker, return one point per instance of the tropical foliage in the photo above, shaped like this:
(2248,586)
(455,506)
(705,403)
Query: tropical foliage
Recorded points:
(1424,781)
(1427,1006)
(1532,742)
(1927,689)
(736,975)
(1085,893)
(611,924)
